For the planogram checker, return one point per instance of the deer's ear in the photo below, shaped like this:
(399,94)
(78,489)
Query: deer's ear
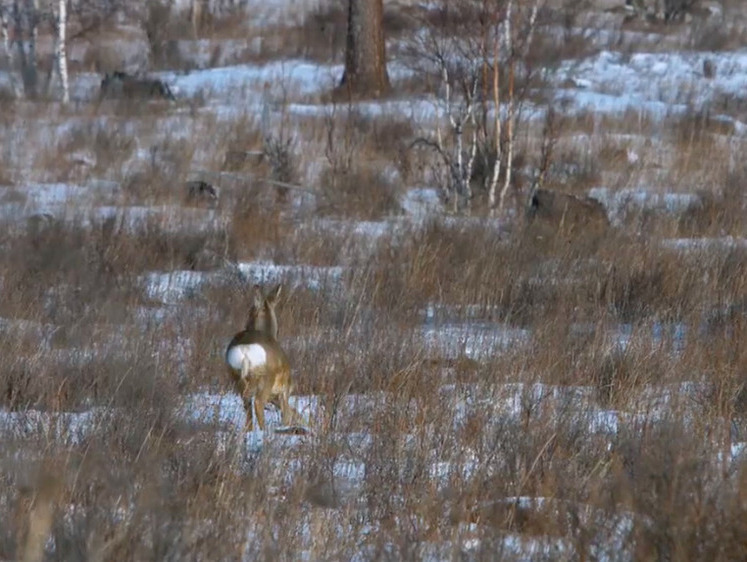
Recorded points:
(274,295)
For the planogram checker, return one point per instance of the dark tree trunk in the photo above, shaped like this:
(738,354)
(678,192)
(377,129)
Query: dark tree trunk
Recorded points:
(365,54)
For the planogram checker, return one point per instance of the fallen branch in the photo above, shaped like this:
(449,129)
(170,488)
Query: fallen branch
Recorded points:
(255,177)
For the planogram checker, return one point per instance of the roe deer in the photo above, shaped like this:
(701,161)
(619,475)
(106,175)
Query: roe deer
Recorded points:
(122,85)
(567,212)
(199,190)
(258,365)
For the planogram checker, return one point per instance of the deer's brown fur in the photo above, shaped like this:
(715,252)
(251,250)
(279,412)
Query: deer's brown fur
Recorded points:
(257,363)
(566,212)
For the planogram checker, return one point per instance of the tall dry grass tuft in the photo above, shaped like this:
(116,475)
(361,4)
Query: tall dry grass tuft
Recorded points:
(41,511)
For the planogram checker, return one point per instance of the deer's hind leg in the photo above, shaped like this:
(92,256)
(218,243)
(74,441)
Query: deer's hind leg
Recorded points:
(280,401)
(261,397)
(285,409)
(290,415)
(245,387)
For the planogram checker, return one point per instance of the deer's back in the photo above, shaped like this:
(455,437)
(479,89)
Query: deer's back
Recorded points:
(554,207)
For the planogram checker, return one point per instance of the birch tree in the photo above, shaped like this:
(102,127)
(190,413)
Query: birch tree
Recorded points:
(6,11)
(61,49)
(483,81)
(516,50)
(22,21)
(445,52)
(22,17)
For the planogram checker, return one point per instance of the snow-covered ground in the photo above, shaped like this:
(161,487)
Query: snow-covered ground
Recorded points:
(173,286)
(618,203)
(655,85)
(510,403)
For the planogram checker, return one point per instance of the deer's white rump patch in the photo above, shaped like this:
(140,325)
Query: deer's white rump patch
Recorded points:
(253,355)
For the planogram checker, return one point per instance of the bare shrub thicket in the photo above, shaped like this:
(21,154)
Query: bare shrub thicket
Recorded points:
(699,135)
(102,149)
(161,30)
(475,57)
(321,36)
(665,10)
(354,180)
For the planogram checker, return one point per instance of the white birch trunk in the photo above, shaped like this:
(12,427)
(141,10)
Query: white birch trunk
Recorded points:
(511,117)
(509,141)
(61,49)
(470,119)
(493,186)
(509,48)
(453,174)
(468,169)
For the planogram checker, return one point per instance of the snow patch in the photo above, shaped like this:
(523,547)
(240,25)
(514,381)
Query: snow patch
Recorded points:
(613,81)
(422,202)
(707,245)
(475,340)
(618,203)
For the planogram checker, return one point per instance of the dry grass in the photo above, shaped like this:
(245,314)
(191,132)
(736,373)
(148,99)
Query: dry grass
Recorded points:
(612,410)
(172,478)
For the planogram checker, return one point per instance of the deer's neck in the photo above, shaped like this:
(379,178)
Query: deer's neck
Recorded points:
(271,321)
(265,322)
